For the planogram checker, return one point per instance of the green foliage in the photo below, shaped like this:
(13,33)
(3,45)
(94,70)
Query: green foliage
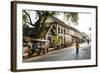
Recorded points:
(44,26)
(73,16)
(25,18)
(44,30)
(55,40)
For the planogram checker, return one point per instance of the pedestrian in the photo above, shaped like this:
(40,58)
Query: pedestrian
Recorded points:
(77,48)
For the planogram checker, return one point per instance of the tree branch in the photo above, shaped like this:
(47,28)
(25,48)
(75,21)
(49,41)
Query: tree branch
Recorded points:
(29,18)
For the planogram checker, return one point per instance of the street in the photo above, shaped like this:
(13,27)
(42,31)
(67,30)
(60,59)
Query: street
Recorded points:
(64,54)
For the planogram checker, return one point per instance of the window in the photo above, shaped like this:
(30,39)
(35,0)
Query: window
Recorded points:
(61,31)
(58,29)
(64,31)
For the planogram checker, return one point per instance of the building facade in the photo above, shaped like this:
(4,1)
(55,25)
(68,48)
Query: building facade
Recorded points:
(65,35)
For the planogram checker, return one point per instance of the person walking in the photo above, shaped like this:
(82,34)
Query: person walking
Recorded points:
(77,48)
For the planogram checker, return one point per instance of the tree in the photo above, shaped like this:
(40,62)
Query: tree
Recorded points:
(72,16)
(26,16)
(40,24)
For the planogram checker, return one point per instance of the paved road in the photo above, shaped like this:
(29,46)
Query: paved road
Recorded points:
(65,54)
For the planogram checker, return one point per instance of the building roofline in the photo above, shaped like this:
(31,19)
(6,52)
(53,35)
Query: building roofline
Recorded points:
(63,24)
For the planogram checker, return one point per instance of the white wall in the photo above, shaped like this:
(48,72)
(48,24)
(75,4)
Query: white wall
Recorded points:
(5,37)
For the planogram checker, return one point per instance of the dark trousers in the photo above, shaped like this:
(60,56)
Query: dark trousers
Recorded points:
(77,51)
